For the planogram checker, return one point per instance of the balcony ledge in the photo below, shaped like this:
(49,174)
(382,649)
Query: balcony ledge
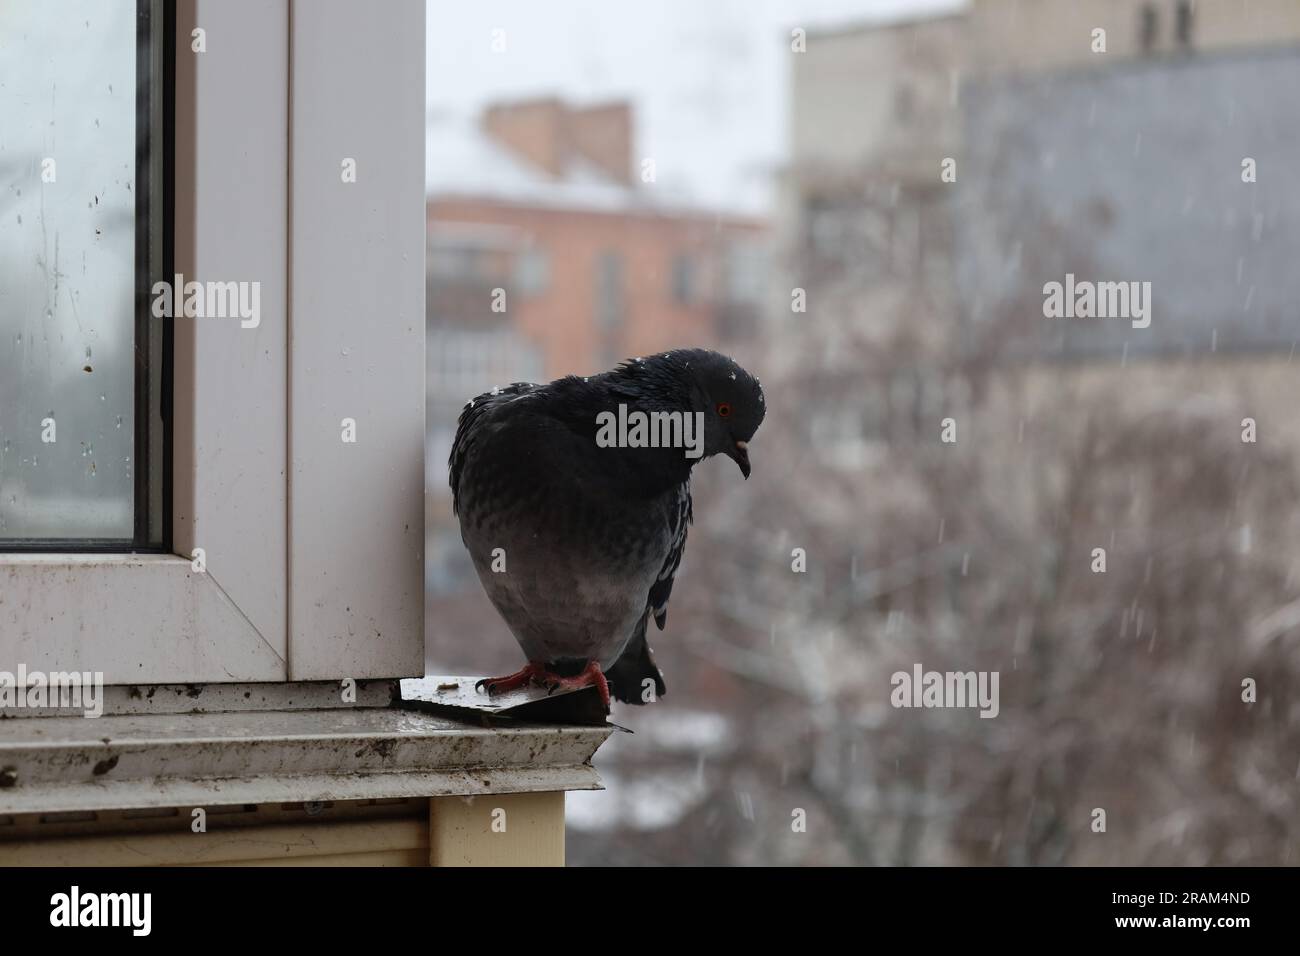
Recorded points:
(414,747)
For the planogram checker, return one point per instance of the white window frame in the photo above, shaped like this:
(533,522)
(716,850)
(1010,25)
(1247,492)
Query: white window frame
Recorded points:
(313,547)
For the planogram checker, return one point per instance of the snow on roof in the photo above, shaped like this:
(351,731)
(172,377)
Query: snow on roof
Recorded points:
(848,17)
(462,161)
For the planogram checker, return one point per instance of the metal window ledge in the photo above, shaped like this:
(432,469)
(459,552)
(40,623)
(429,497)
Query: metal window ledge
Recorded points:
(142,760)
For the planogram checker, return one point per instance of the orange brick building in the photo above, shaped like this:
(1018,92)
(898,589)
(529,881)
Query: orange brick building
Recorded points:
(591,286)
(549,254)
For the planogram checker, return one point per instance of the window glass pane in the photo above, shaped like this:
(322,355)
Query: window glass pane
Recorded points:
(67,269)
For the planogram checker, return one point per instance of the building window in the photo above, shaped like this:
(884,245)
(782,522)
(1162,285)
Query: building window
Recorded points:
(83,457)
(744,271)
(684,280)
(532,272)
(1183,22)
(1147,27)
(609,291)
(845,236)
(904,104)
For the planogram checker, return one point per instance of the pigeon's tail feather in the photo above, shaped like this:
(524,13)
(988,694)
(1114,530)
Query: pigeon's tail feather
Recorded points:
(635,672)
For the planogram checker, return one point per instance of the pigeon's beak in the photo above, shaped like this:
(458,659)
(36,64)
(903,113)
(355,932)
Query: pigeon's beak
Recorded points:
(740,455)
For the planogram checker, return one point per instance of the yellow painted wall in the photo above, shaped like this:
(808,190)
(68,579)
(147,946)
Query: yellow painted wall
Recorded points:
(496,830)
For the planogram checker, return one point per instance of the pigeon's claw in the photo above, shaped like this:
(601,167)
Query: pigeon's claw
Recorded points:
(539,674)
(531,673)
(591,676)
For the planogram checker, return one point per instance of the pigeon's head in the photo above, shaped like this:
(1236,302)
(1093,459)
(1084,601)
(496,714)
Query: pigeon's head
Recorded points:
(729,397)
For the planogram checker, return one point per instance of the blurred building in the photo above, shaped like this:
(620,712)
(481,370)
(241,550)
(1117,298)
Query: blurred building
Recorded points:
(547,203)
(865,225)
(1027,36)
(1075,161)
(991,150)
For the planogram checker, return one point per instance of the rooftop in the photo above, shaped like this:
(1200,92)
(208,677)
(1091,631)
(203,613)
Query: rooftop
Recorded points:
(463,161)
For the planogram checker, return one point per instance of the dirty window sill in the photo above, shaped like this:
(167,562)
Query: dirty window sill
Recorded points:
(423,746)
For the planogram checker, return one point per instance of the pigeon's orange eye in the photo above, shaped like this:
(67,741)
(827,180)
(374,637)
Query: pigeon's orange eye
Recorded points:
(724,410)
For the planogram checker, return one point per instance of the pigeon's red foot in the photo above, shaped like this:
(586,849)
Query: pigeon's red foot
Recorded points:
(591,676)
(531,673)
(537,673)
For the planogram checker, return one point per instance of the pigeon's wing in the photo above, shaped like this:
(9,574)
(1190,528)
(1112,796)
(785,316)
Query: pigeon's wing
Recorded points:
(627,678)
(473,417)
(662,589)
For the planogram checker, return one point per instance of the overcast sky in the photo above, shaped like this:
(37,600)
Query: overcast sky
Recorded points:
(708,77)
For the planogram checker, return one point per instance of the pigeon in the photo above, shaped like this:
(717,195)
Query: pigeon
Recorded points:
(574,500)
